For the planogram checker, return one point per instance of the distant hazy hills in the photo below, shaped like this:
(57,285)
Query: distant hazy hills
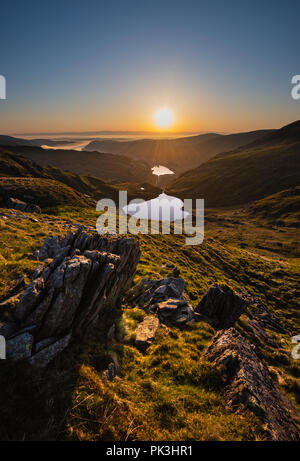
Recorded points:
(131,161)
(261,168)
(178,154)
(9,141)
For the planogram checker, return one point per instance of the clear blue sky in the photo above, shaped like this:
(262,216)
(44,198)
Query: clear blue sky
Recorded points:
(100,65)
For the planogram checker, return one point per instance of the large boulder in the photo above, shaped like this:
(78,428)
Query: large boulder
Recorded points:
(165,297)
(145,333)
(17,204)
(84,275)
(175,311)
(149,293)
(221,307)
(248,385)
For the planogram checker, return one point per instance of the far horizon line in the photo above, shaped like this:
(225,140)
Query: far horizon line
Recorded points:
(108,132)
(138,132)
(129,133)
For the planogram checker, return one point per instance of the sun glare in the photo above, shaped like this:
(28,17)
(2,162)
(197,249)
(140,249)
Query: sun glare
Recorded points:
(163,118)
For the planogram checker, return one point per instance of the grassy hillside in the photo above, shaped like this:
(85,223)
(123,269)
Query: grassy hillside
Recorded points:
(16,165)
(13,165)
(282,208)
(108,167)
(178,154)
(170,393)
(245,174)
(43,192)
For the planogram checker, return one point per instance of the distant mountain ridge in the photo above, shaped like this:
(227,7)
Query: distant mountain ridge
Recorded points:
(177,154)
(132,159)
(261,168)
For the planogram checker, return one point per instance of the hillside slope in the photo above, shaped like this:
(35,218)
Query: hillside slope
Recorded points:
(13,165)
(111,168)
(178,154)
(42,192)
(11,141)
(284,207)
(249,173)
(17,166)
(171,392)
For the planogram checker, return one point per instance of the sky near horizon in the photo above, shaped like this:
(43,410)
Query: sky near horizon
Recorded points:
(99,65)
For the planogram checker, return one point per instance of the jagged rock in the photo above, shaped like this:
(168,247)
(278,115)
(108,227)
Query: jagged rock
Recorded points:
(262,315)
(17,204)
(148,293)
(49,248)
(248,385)
(145,333)
(260,320)
(29,299)
(19,347)
(221,307)
(260,333)
(85,275)
(47,354)
(175,311)
(44,343)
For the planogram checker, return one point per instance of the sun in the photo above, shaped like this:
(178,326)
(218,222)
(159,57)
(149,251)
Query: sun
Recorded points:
(163,118)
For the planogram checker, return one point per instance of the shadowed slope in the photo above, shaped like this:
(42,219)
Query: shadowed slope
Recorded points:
(112,168)
(249,173)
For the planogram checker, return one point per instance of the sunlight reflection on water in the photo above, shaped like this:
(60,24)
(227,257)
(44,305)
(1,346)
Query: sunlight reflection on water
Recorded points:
(162,208)
(161,170)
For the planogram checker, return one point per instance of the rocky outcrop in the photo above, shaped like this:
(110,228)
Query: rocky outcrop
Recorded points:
(145,333)
(175,311)
(83,276)
(221,307)
(17,204)
(149,293)
(20,346)
(248,385)
(165,297)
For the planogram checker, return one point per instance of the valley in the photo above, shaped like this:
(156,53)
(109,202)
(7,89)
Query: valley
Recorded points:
(109,383)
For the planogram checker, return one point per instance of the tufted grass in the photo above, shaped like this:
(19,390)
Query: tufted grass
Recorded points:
(170,393)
